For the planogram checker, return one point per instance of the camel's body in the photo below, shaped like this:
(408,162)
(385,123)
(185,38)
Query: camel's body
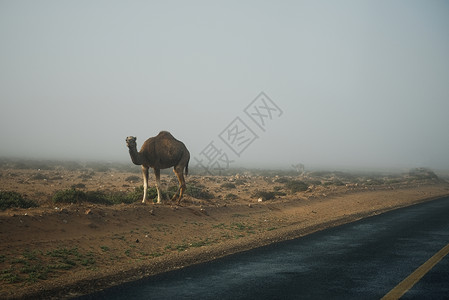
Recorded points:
(160,152)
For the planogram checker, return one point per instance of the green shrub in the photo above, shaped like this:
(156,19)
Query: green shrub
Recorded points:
(228,185)
(296,186)
(230,196)
(79,186)
(264,195)
(240,181)
(279,193)
(14,199)
(314,182)
(199,192)
(282,180)
(98,197)
(375,181)
(39,176)
(133,178)
(69,196)
(138,194)
(338,182)
(86,176)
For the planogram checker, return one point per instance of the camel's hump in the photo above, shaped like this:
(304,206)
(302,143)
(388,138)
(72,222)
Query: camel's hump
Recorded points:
(165,134)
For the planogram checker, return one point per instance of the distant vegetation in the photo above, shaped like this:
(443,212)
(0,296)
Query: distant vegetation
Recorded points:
(34,164)
(286,182)
(91,167)
(14,200)
(423,173)
(228,185)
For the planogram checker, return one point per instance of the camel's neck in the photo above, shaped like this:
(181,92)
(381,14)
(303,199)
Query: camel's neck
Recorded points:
(135,156)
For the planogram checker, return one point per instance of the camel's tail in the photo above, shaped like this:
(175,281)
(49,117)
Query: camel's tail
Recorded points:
(187,168)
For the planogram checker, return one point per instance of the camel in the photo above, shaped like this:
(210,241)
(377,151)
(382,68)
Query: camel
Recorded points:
(160,152)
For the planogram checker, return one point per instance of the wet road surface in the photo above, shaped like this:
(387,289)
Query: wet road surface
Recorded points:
(365,259)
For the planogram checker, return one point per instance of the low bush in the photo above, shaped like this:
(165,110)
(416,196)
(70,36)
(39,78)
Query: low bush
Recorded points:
(199,192)
(39,176)
(228,185)
(282,180)
(79,186)
(264,195)
(69,196)
(296,186)
(375,181)
(74,195)
(14,200)
(86,176)
(99,197)
(136,195)
(133,178)
(230,196)
(279,193)
(240,181)
(338,182)
(314,182)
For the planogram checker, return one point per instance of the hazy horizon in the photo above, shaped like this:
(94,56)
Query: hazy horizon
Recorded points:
(347,84)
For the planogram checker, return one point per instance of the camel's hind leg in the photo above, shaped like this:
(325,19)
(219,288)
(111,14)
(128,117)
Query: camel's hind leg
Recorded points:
(145,182)
(182,183)
(157,173)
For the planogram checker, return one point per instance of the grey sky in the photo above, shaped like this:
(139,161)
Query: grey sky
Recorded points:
(360,83)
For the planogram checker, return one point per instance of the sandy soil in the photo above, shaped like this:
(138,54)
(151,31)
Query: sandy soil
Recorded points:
(61,251)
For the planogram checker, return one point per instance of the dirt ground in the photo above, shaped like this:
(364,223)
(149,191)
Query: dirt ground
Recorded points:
(64,250)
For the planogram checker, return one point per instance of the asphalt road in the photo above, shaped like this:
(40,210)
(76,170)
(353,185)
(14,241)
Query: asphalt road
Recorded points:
(362,260)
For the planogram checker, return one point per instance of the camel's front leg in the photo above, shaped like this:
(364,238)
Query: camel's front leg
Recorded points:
(157,173)
(145,182)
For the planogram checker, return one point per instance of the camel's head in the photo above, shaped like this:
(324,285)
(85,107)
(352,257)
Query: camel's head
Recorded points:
(131,142)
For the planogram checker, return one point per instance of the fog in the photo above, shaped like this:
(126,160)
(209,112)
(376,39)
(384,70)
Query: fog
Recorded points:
(345,84)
